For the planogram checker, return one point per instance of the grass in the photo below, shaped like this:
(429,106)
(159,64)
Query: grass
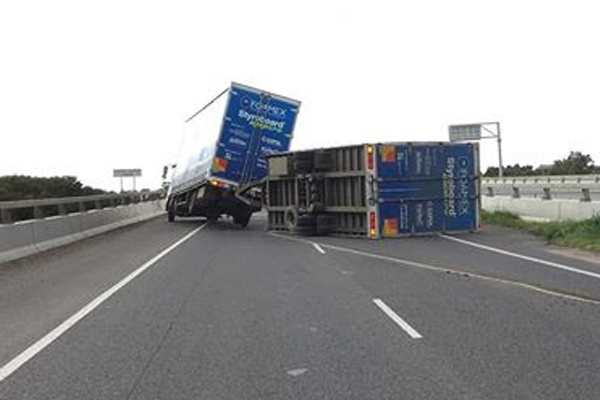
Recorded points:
(583,234)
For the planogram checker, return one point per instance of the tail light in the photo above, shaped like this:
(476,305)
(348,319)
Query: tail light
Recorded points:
(219,184)
(370,156)
(372,224)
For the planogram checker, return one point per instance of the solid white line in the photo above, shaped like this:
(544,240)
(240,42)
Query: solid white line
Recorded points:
(27,221)
(31,351)
(319,248)
(523,257)
(443,269)
(53,217)
(397,319)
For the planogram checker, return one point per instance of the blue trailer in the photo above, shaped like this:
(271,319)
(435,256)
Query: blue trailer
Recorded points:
(376,190)
(223,151)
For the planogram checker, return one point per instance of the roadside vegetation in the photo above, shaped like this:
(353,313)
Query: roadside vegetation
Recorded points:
(578,234)
(20,187)
(576,163)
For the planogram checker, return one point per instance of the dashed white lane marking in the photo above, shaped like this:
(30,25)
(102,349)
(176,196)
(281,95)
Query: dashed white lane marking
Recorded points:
(319,248)
(523,257)
(297,372)
(397,319)
(443,269)
(31,351)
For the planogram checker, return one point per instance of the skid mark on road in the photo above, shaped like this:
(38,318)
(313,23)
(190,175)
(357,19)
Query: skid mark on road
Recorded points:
(448,270)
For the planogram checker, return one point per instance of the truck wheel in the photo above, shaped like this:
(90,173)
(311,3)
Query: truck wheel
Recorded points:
(308,230)
(325,224)
(306,225)
(243,220)
(290,217)
(171,212)
(307,220)
(316,207)
(212,219)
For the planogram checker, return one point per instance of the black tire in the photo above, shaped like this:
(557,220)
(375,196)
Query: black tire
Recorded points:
(307,225)
(171,211)
(325,224)
(308,230)
(307,220)
(242,220)
(290,217)
(317,207)
(212,219)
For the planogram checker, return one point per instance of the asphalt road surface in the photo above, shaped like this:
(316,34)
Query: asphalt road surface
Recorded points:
(188,311)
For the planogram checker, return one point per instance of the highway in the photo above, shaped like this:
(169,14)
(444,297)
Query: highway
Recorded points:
(195,311)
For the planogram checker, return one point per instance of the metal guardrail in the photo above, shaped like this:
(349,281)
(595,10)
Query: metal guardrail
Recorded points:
(12,211)
(581,187)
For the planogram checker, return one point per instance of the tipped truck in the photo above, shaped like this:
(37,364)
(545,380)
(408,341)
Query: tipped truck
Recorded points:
(223,153)
(376,190)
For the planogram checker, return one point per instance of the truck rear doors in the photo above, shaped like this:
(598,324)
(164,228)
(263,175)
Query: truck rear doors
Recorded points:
(255,124)
(426,188)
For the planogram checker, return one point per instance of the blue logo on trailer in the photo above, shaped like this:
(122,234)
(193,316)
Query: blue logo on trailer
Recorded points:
(427,188)
(256,124)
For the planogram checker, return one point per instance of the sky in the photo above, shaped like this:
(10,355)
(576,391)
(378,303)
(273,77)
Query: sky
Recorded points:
(88,86)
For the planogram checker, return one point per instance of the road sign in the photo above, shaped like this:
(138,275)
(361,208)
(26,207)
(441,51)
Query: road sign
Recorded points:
(120,173)
(460,133)
(465,132)
(127,173)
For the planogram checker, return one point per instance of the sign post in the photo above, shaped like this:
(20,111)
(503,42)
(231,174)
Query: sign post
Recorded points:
(466,132)
(133,173)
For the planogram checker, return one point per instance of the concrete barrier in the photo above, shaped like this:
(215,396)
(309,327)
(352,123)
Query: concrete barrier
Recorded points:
(26,238)
(551,210)
(17,241)
(56,231)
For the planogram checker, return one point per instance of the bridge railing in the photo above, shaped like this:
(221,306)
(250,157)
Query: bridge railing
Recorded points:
(13,211)
(574,187)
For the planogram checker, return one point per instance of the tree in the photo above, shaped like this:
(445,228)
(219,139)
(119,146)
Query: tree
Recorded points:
(576,163)
(20,187)
(491,172)
(512,170)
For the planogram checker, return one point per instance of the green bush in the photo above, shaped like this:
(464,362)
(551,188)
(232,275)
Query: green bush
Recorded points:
(21,187)
(583,234)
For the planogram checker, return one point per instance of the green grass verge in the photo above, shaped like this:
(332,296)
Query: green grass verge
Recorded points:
(578,234)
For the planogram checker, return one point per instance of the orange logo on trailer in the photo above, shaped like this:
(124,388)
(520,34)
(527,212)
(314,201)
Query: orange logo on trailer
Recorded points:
(219,165)
(388,153)
(390,227)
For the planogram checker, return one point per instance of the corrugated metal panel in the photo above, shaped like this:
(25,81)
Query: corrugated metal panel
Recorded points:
(417,188)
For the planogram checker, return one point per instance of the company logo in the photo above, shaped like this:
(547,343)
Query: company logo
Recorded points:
(456,187)
(263,108)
